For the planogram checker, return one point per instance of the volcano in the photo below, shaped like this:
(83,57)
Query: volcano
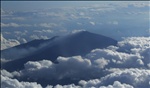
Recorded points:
(79,43)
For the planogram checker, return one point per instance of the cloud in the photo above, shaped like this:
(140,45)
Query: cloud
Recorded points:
(138,46)
(17,53)
(92,23)
(44,31)
(14,25)
(114,66)
(101,62)
(48,25)
(117,84)
(7,43)
(116,78)
(7,82)
(63,86)
(7,74)
(139,5)
(13,18)
(34,36)
(116,59)
(132,78)
(76,31)
(71,67)
(104,68)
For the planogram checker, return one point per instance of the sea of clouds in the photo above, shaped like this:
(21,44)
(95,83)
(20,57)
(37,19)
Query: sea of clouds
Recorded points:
(112,19)
(126,65)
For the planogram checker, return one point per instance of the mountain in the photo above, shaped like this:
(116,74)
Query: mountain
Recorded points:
(79,43)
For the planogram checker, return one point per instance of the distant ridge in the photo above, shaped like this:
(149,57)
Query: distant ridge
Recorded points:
(79,43)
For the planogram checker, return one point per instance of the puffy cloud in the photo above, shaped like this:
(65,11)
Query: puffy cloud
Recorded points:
(126,66)
(116,78)
(134,42)
(138,46)
(116,59)
(7,82)
(135,77)
(72,67)
(63,86)
(101,62)
(95,65)
(10,75)
(131,78)
(117,84)
(6,73)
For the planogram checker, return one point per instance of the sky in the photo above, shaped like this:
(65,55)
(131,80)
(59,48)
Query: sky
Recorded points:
(31,5)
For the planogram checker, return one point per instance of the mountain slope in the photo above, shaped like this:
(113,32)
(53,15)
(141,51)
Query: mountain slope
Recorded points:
(79,43)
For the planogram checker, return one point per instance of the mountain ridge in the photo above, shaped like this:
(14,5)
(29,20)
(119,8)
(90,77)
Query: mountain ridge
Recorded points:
(79,43)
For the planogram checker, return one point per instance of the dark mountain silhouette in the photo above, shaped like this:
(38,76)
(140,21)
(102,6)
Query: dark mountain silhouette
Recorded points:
(79,43)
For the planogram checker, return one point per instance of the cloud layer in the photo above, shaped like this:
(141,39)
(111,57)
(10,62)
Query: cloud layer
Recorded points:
(126,65)
(125,19)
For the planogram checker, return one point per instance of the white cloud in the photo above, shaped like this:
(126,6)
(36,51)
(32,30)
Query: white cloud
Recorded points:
(117,84)
(132,78)
(116,59)
(8,43)
(7,74)
(135,77)
(34,36)
(48,25)
(101,62)
(13,18)
(7,82)
(64,86)
(138,46)
(92,23)
(44,31)
(14,25)
(76,31)
(72,67)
